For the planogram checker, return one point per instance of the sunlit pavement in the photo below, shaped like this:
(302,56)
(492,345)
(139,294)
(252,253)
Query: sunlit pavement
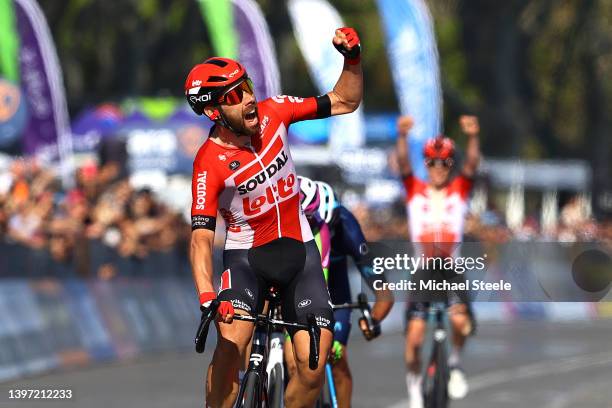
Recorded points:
(521,364)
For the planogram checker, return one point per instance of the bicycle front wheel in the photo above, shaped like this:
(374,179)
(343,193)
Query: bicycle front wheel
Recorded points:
(277,385)
(252,392)
(440,385)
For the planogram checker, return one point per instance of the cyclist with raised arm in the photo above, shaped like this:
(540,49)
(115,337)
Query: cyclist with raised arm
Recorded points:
(245,172)
(341,237)
(436,211)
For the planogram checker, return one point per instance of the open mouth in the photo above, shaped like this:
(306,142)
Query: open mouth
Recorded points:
(250,117)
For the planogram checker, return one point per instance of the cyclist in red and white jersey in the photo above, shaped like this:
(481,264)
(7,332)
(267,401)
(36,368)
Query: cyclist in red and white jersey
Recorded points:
(244,172)
(436,212)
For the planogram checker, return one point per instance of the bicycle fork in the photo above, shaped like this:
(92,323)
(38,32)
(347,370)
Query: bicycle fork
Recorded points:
(275,369)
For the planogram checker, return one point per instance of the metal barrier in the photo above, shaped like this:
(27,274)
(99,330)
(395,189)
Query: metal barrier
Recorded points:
(52,318)
(55,315)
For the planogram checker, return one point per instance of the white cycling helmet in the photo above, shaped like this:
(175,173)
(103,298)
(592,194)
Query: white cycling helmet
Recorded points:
(309,195)
(328,201)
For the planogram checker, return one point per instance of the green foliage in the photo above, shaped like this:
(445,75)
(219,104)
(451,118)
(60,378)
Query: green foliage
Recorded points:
(535,71)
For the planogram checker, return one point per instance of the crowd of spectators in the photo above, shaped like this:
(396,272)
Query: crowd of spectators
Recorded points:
(58,225)
(574,224)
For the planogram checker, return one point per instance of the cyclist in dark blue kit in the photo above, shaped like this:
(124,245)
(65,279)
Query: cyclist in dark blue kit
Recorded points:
(347,241)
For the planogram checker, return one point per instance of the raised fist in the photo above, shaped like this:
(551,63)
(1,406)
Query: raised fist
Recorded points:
(404,124)
(347,43)
(469,125)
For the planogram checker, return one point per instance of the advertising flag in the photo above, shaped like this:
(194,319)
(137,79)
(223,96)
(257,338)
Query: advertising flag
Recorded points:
(413,56)
(256,49)
(314,23)
(42,85)
(239,30)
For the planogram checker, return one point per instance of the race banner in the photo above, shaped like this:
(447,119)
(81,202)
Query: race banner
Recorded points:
(219,19)
(47,127)
(256,50)
(9,51)
(12,105)
(412,51)
(238,30)
(314,23)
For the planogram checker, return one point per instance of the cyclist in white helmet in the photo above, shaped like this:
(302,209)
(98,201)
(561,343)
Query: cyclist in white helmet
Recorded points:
(340,236)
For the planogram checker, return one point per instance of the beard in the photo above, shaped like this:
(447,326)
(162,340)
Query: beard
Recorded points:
(245,121)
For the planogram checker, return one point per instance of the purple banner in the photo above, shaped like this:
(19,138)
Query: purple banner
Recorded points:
(42,85)
(256,48)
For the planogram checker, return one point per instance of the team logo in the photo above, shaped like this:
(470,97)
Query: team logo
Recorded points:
(260,178)
(256,359)
(199,221)
(239,304)
(222,157)
(264,123)
(201,98)
(283,189)
(234,165)
(201,191)
(304,303)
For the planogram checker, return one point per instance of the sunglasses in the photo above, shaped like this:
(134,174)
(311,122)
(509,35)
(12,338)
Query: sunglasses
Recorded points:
(439,162)
(234,95)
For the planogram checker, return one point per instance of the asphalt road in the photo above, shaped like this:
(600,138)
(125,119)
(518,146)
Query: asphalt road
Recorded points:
(510,365)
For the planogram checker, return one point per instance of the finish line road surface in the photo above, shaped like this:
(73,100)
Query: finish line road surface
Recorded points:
(509,365)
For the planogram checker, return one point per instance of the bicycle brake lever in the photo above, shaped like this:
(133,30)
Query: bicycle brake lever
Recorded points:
(366,311)
(202,333)
(314,332)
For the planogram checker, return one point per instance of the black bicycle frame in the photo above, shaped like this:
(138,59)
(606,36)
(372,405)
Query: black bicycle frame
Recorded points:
(258,357)
(436,397)
(264,324)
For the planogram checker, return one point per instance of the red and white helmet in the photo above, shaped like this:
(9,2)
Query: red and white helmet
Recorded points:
(439,147)
(209,81)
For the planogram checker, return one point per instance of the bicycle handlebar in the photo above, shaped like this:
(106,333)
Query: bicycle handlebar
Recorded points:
(313,329)
(314,332)
(207,318)
(366,312)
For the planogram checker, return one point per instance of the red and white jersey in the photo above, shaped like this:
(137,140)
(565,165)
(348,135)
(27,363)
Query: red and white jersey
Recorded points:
(254,188)
(436,217)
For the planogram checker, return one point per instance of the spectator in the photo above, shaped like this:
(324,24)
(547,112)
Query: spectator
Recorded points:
(37,214)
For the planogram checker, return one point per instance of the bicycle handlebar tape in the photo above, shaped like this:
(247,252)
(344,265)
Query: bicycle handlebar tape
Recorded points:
(314,332)
(208,314)
(362,299)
